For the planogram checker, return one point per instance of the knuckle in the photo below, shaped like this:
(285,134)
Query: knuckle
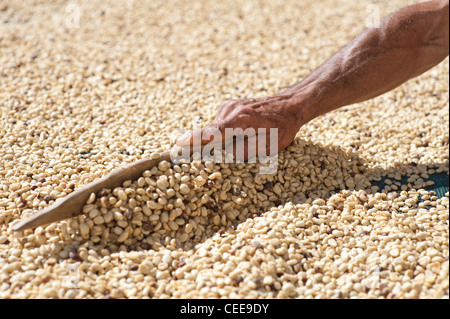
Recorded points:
(219,124)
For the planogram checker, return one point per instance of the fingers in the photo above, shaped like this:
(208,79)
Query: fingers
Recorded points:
(225,108)
(210,134)
(186,139)
(229,115)
(243,144)
(216,132)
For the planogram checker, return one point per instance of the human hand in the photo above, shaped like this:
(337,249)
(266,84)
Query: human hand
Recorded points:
(251,120)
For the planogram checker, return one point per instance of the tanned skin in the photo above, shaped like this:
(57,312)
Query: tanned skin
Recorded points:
(407,43)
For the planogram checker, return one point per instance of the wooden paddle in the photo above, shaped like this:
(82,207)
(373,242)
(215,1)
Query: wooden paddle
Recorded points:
(71,205)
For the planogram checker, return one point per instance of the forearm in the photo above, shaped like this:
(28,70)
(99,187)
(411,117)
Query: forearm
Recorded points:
(407,43)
